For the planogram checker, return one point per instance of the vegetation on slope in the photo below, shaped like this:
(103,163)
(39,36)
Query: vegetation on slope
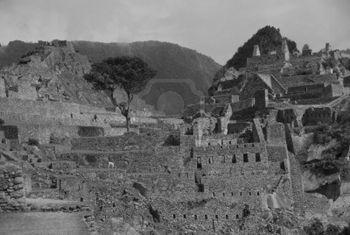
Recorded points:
(334,158)
(170,60)
(317,228)
(13,51)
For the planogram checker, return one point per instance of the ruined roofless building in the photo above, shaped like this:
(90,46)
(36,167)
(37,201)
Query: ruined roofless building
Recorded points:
(275,59)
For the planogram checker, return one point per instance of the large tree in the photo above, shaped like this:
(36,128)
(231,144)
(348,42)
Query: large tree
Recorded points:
(129,73)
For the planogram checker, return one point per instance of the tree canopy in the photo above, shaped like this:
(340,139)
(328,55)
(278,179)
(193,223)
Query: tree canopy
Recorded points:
(129,73)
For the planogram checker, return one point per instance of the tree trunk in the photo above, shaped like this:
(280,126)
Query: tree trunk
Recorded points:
(127,124)
(125,109)
(127,112)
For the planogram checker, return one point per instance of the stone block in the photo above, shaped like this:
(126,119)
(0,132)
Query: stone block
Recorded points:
(17,194)
(3,204)
(18,180)
(19,186)
(46,209)
(3,200)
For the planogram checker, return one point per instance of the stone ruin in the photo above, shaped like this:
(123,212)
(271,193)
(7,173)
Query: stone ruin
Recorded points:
(224,161)
(223,169)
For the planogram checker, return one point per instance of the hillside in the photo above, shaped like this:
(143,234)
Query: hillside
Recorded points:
(190,72)
(170,60)
(268,39)
(13,51)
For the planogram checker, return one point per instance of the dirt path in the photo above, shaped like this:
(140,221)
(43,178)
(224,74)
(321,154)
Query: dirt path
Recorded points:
(43,223)
(42,201)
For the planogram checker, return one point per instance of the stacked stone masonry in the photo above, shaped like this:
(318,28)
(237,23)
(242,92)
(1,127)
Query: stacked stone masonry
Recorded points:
(11,189)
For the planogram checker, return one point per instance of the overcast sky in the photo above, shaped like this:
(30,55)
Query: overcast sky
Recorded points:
(213,27)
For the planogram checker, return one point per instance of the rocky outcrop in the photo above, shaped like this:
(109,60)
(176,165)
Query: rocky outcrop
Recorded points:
(328,186)
(279,200)
(54,72)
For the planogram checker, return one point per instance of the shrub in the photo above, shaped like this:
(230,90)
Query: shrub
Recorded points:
(2,121)
(316,228)
(332,229)
(91,159)
(32,141)
(172,140)
(324,167)
(322,134)
(140,188)
(90,131)
(345,174)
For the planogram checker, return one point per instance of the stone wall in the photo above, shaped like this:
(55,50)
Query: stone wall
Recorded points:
(346,81)
(256,83)
(231,157)
(207,218)
(312,116)
(334,90)
(243,105)
(44,132)
(289,116)
(306,92)
(302,64)
(206,186)
(146,140)
(238,127)
(255,62)
(220,140)
(11,188)
(275,134)
(163,160)
(77,189)
(225,98)
(297,184)
(315,91)
(258,134)
(20,110)
(10,131)
(322,100)
(276,153)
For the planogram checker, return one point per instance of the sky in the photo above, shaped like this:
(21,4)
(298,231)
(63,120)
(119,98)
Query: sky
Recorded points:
(212,27)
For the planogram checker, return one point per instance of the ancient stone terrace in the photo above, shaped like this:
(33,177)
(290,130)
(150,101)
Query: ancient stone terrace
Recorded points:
(42,120)
(221,172)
